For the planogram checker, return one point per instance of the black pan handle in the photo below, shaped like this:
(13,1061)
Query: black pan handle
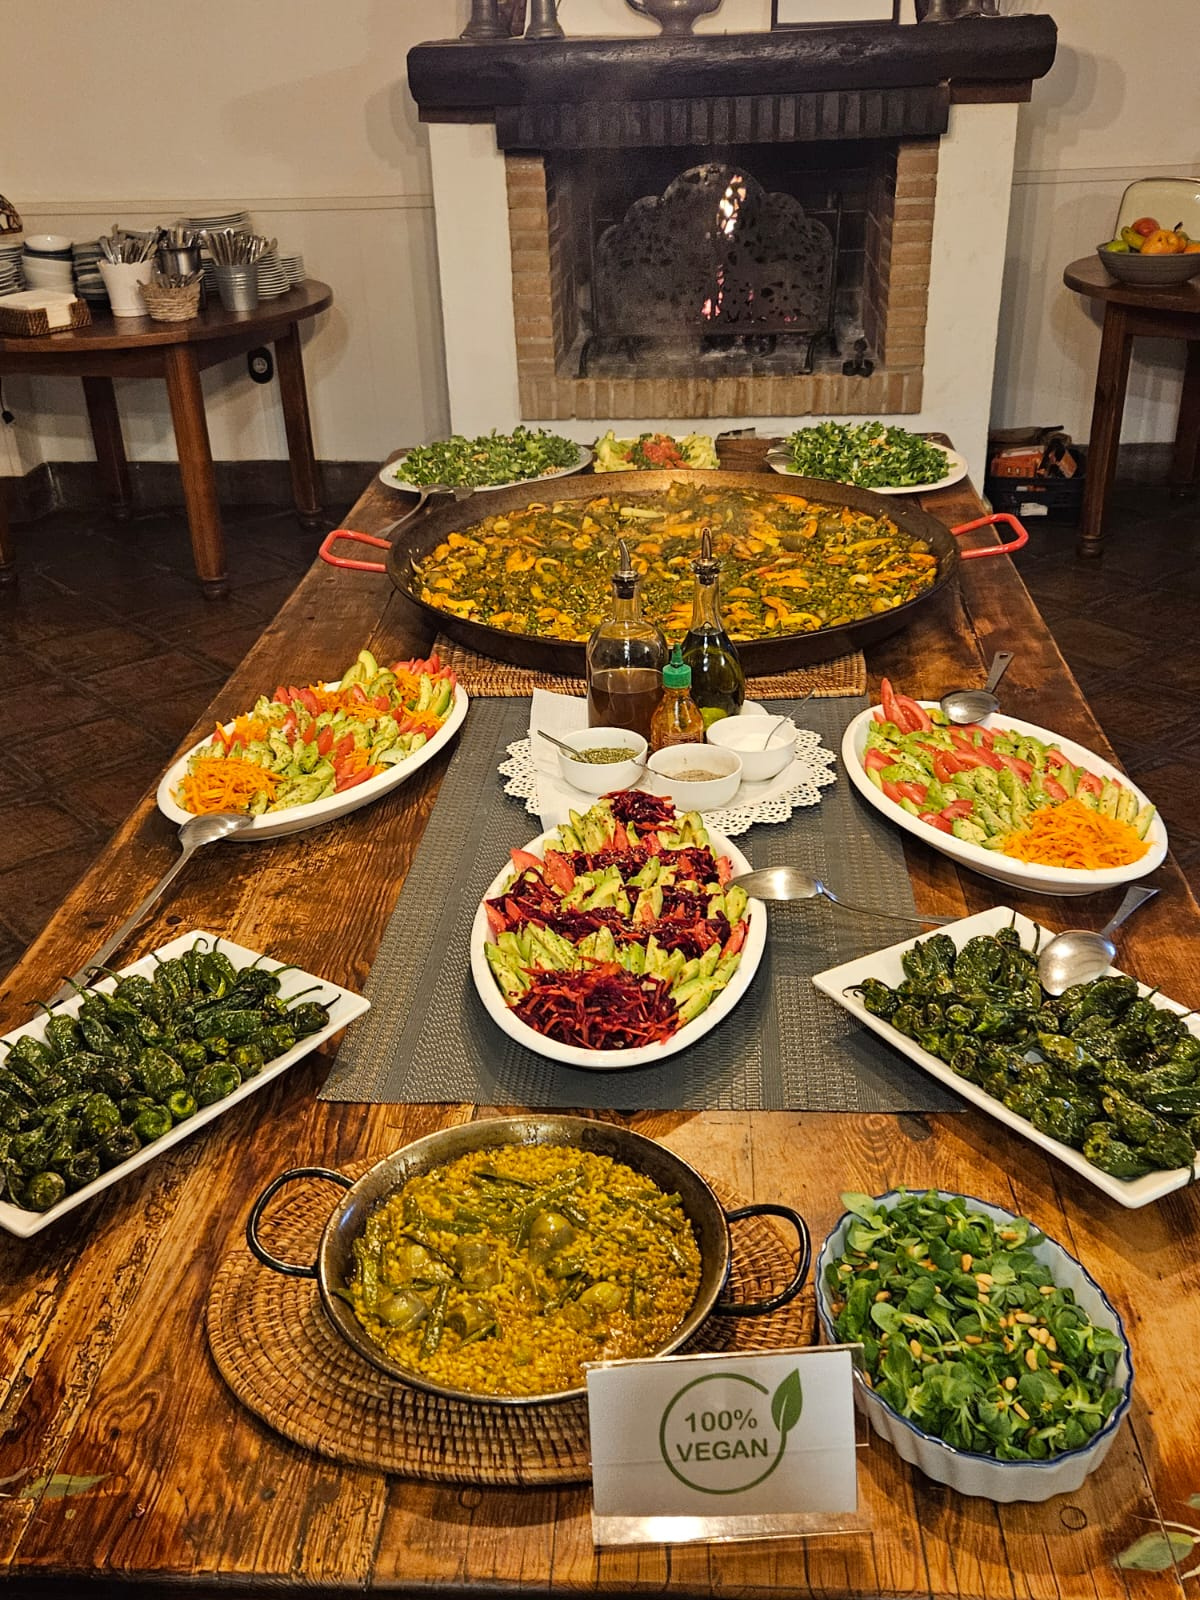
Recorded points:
(758,1308)
(257,1248)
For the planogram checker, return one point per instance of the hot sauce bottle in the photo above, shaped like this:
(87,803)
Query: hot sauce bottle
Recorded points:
(718,682)
(625,657)
(676,719)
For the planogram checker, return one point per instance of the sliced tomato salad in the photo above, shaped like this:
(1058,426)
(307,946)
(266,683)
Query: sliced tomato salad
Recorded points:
(979,783)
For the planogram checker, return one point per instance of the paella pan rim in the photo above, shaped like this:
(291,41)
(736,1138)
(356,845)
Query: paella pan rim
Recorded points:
(759,656)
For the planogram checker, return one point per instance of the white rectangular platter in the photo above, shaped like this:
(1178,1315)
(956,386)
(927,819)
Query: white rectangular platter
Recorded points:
(343,1004)
(837,983)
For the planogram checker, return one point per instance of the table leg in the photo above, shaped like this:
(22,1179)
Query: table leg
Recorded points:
(196,468)
(1185,464)
(8,560)
(1112,374)
(305,486)
(110,447)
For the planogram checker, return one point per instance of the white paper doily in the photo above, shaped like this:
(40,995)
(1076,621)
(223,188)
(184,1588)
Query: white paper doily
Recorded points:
(800,784)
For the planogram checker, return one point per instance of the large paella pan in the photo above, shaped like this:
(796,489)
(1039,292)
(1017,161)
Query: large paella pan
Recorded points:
(418,537)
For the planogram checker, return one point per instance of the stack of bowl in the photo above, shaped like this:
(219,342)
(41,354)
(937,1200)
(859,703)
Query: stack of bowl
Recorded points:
(47,262)
(88,281)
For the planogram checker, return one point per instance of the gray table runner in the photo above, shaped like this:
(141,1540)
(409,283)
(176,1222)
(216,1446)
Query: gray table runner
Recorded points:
(785,1046)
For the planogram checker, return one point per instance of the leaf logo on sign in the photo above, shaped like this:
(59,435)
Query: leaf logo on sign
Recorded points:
(787,1403)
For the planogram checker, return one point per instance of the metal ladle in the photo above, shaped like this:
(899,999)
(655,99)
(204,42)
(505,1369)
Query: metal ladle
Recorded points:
(195,833)
(1078,956)
(972,705)
(793,883)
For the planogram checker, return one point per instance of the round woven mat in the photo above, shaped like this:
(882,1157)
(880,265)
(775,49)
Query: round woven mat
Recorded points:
(278,1352)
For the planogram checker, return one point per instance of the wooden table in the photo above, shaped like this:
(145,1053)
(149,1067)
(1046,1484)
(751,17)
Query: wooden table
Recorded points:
(138,347)
(1130,311)
(105,1370)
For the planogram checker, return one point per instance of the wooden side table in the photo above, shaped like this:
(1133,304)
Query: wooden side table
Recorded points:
(178,352)
(1129,311)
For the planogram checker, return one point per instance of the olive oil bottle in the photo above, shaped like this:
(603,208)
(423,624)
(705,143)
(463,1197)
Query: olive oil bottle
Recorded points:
(718,681)
(625,657)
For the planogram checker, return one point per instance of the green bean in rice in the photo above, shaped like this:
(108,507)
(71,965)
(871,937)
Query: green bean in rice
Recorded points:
(505,1270)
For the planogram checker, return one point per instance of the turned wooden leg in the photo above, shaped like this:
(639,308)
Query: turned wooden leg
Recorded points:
(1185,464)
(196,468)
(1112,374)
(110,446)
(306,491)
(8,560)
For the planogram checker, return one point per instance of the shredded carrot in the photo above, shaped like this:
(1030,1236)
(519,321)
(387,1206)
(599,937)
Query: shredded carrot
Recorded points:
(1072,835)
(225,784)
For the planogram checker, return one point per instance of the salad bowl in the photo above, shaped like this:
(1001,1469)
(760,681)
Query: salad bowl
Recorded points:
(643,1055)
(295,819)
(1034,877)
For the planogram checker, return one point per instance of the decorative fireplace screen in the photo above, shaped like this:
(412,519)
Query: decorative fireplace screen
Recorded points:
(715,259)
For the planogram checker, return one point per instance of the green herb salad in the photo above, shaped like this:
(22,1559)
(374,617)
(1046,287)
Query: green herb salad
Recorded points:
(865,454)
(491,459)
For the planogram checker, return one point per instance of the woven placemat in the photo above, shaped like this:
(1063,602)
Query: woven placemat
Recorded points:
(280,1355)
(482,676)
(428,1039)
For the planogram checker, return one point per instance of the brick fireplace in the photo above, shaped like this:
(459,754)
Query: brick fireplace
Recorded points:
(897,140)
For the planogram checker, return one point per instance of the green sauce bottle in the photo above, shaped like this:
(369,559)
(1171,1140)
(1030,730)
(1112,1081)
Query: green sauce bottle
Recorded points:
(718,681)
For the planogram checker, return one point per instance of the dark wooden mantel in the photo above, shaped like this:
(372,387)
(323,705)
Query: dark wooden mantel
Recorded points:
(453,80)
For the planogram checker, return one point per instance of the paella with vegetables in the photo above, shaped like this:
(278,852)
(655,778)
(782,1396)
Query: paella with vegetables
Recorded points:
(789,564)
(505,1270)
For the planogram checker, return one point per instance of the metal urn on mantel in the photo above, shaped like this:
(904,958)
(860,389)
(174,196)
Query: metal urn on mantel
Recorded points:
(676,18)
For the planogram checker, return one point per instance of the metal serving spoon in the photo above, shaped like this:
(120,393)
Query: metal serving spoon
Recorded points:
(972,705)
(577,755)
(793,883)
(1078,956)
(195,833)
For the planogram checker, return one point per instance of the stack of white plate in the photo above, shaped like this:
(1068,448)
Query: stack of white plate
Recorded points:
(272,277)
(294,267)
(12,277)
(86,260)
(239,221)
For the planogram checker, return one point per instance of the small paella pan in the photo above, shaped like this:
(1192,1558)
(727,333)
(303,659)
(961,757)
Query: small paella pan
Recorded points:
(809,571)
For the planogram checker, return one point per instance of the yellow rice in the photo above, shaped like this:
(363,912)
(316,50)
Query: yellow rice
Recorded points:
(627,1235)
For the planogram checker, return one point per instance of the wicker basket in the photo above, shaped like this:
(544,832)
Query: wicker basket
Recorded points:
(171,305)
(23,323)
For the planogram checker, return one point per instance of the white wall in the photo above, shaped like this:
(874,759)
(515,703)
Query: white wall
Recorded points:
(149,109)
(1121,103)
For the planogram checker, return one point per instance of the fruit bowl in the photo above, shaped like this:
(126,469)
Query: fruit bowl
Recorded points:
(1148,271)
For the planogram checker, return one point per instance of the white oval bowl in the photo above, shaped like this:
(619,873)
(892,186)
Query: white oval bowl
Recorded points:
(40,243)
(966,1473)
(1029,875)
(274,824)
(709,796)
(760,760)
(644,1055)
(597,779)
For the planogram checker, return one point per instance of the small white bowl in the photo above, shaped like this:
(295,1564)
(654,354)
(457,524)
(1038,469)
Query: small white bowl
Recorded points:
(762,757)
(708,795)
(595,777)
(961,1470)
(44,243)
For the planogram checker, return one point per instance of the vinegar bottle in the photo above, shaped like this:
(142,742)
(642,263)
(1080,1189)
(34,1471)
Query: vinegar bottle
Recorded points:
(718,682)
(625,657)
(676,719)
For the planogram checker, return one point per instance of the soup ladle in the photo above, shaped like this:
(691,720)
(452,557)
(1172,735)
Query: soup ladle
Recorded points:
(194,834)
(1078,956)
(972,705)
(793,883)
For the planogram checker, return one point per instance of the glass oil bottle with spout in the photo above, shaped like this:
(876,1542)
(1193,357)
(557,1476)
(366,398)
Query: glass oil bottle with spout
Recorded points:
(718,681)
(625,657)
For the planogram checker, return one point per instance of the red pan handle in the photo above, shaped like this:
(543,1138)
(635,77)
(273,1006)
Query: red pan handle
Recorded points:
(327,543)
(1019,529)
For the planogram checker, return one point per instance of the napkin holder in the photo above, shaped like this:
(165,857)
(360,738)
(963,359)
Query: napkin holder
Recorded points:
(32,314)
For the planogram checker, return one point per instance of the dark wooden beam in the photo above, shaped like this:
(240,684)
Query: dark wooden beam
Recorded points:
(454,75)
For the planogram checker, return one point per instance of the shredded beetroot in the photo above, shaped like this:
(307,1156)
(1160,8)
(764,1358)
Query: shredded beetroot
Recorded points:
(599,1008)
(646,810)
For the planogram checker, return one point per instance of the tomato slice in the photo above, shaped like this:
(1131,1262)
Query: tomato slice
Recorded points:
(1056,759)
(892,790)
(911,790)
(559,871)
(522,860)
(875,760)
(1017,764)
(1088,783)
(918,717)
(957,808)
(891,707)
(945,765)
(936,820)
(1053,788)
(497,921)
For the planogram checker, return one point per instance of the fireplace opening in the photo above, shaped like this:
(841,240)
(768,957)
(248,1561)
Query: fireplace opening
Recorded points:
(765,260)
